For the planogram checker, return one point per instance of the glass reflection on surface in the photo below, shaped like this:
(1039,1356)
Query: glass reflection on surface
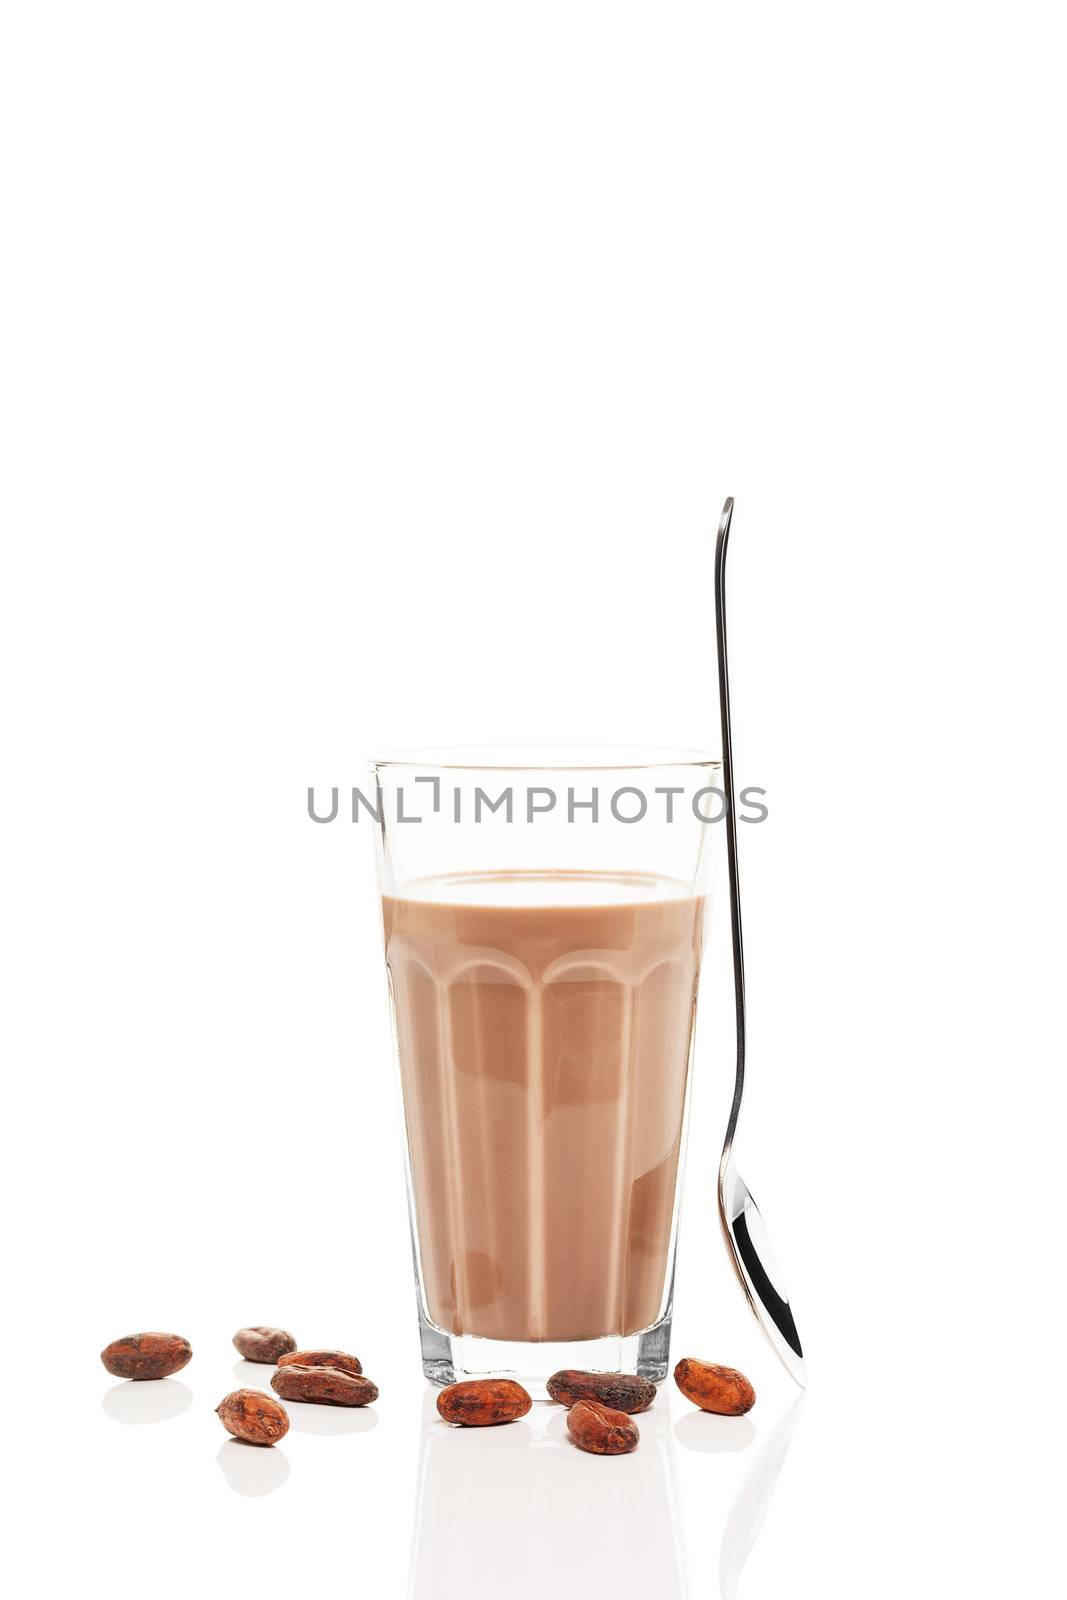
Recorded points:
(517,1510)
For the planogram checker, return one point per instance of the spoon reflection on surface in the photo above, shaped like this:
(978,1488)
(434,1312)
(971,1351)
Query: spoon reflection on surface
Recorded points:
(252,1469)
(518,1510)
(753,1498)
(154,1401)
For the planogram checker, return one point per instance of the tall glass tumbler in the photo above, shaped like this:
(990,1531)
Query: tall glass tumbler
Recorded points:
(543,915)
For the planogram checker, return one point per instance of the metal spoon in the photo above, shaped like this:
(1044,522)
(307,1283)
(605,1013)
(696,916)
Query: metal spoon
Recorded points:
(742,1224)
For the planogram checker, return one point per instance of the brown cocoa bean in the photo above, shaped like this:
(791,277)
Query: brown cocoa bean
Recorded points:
(601,1430)
(720,1389)
(321,1358)
(483,1402)
(621,1391)
(323,1386)
(263,1344)
(146,1355)
(251,1415)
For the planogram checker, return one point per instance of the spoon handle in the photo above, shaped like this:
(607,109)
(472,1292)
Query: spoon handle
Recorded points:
(731,820)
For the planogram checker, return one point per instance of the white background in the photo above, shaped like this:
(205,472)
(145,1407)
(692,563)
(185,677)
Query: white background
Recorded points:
(373,375)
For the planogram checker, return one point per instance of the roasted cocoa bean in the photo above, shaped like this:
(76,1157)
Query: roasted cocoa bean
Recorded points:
(146,1355)
(483,1402)
(601,1430)
(621,1391)
(323,1386)
(720,1389)
(321,1358)
(251,1415)
(263,1344)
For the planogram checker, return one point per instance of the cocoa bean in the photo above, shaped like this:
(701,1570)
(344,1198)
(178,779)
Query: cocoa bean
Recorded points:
(146,1355)
(263,1344)
(720,1389)
(321,1358)
(601,1430)
(621,1391)
(251,1415)
(323,1386)
(483,1402)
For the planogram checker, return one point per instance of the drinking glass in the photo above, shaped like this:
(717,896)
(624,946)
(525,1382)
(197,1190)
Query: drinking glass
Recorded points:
(543,915)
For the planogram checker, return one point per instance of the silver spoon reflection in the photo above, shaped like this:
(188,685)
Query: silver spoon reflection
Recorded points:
(754,1496)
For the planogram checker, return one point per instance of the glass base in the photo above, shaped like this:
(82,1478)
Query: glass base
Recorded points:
(455,1357)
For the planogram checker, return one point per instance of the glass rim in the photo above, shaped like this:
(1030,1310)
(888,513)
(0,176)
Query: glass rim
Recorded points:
(547,758)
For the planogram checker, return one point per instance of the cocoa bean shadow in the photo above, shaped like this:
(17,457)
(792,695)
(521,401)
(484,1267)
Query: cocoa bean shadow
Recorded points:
(713,1435)
(156,1400)
(251,1469)
(254,1374)
(327,1421)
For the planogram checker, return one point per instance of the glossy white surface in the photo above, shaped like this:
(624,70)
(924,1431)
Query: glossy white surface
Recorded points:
(396,1500)
(873,1480)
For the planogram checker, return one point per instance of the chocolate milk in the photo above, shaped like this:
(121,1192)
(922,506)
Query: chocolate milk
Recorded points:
(544,1024)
